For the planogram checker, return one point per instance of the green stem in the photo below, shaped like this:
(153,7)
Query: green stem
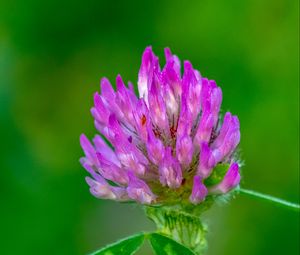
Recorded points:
(271,199)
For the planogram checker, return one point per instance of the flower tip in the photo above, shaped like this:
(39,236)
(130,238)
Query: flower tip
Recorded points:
(236,121)
(106,89)
(187,65)
(104,82)
(96,95)
(149,47)
(82,138)
(85,143)
(119,82)
(97,100)
(90,181)
(119,77)
(213,84)
(168,53)
(147,54)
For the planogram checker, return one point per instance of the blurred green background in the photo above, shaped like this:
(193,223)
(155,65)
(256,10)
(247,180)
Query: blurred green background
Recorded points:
(52,56)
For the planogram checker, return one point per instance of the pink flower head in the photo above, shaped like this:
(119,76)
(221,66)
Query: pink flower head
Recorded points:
(167,143)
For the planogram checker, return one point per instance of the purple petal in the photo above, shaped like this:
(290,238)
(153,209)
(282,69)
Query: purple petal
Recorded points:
(102,147)
(131,88)
(125,102)
(216,100)
(185,122)
(171,76)
(130,161)
(157,106)
(131,93)
(224,129)
(184,149)
(199,191)
(149,64)
(228,139)
(173,59)
(198,75)
(155,148)
(206,161)
(170,170)
(192,90)
(107,90)
(171,88)
(88,149)
(138,190)
(205,93)
(205,127)
(100,112)
(108,96)
(90,168)
(230,180)
(130,156)
(115,130)
(142,119)
(101,189)
(110,171)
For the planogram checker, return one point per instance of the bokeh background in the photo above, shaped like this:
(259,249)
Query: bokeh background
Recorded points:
(52,56)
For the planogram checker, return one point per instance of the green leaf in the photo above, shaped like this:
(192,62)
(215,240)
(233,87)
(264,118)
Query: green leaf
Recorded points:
(125,246)
(163,245)
(217,174)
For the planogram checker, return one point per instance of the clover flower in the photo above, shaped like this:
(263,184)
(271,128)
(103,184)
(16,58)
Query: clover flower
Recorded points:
(166,146)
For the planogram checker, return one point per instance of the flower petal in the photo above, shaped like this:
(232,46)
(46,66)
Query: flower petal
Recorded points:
(138,190)
(199,191)
(230,180)
(170,171)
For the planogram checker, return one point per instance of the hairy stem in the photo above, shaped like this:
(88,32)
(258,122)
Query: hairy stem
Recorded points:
(271,199)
